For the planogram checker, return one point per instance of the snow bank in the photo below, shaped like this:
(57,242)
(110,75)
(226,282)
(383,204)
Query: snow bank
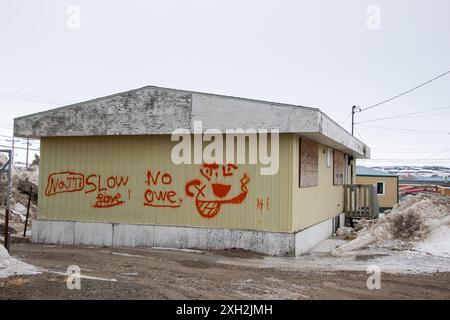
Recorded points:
(437,243)
(22,180)
(411,222)
(11,267)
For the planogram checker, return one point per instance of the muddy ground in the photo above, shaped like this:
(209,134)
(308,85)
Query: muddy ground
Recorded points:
(173,274)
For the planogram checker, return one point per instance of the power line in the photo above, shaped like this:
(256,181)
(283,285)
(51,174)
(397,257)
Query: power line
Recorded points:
(407,130)
(32,98)
(16,138)
(359,134)
(410,159)
(415,152)
(348,116)
(406,92)
(20,148)
(404,115)
(426,115)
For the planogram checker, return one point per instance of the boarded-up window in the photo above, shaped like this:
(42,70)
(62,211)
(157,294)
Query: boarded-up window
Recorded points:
(309,163)
(338,167)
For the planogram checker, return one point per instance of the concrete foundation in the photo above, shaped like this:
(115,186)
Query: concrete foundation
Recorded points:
(127,235)
(306,239)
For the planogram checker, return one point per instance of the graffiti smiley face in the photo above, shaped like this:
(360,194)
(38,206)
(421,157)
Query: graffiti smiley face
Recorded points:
(215,188)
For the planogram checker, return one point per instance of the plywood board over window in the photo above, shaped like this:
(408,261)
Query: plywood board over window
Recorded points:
(309,163)
(338,167)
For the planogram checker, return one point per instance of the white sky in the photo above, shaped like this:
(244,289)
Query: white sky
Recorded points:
(312,53)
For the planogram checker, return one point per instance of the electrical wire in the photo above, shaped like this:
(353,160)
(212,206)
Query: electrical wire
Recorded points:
(403,115)
(403,130)
(359,134)
(32,98)
(406,92)
(346,118)
(20,148)
(410,159)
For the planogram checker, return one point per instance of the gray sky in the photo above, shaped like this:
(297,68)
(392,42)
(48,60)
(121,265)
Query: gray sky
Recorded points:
(312,53)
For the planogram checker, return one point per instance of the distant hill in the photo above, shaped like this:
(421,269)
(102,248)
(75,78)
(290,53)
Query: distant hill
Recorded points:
(416,171)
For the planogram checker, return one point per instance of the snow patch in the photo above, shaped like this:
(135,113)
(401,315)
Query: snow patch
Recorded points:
(437,243)
(409,222)
(20,210)
(10,266)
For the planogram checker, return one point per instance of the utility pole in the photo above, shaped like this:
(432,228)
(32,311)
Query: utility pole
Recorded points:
(354,110)
(28,149)
(353,118)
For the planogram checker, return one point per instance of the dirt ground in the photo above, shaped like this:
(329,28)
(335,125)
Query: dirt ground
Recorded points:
(175,274)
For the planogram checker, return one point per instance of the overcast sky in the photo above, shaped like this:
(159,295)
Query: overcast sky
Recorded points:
(312,53)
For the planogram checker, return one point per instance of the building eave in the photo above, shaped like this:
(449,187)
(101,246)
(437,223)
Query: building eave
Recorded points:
(155,110)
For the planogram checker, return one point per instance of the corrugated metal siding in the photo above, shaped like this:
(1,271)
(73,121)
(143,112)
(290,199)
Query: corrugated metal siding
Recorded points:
(132,156)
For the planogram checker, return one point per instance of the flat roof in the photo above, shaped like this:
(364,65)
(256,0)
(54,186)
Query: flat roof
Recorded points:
(156,110)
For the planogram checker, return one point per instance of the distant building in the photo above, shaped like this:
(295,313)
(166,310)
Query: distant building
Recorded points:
(439,181)
(386,185)
(414,185)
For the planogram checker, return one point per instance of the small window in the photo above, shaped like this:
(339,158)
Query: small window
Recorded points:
(329,157)
(380,188)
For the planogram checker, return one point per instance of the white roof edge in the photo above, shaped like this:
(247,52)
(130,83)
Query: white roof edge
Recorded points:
(157,110)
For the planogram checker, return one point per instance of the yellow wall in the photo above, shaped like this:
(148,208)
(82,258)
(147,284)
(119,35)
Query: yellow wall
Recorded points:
(273,203)
(390,189)
(129,158)
(312,205)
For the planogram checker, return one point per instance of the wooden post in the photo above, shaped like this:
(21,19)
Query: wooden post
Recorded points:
(28,212)
(345,198)
(374,202)
(365,201)
(6,231)
(350,202)
(359,200)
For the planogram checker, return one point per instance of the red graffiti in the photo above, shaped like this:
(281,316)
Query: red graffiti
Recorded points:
(165,178)
(107,201)
(260,203)
(64,182)
(95,183)
(76,182)
(207,207)
(155,197)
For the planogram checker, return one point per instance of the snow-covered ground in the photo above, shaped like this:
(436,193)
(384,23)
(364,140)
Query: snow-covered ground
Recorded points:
(437,243)
(10,266)
(418,223)
(413,238)
(320,259)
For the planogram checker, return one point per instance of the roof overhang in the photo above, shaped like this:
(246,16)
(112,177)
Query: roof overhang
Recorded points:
(154,110)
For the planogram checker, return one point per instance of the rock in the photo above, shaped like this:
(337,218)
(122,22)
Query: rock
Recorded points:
(11,229)
(363,223)
(350,237)
(19,209)
(344,231)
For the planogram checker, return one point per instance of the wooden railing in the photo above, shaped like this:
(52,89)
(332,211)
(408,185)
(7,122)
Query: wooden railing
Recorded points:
(361,201)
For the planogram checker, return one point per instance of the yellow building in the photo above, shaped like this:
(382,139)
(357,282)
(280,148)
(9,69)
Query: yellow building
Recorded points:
(108,175)
(386,185)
